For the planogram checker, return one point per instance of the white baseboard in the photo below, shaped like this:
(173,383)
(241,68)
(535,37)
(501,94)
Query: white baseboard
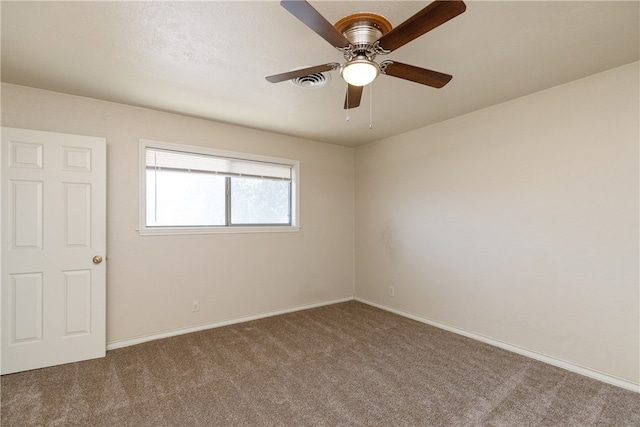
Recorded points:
(591,373)
(139,340)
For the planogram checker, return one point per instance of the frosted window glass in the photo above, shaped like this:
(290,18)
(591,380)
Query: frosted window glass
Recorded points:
(183,198)
(260,201)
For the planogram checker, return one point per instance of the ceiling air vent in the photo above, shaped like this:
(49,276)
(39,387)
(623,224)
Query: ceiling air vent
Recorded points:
(312,81)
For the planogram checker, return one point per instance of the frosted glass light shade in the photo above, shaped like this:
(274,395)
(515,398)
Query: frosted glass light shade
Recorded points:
(360,72)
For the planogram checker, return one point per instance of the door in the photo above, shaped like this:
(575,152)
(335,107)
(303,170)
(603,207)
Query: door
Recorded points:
(53,230)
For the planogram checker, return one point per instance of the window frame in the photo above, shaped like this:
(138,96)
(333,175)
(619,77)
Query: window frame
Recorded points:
(143,230)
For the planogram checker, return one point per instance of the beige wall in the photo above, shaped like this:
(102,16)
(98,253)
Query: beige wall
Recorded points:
(151,280)
(518,222)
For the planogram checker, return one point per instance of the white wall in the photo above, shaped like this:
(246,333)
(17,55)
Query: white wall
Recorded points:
(518,222)
(151,280)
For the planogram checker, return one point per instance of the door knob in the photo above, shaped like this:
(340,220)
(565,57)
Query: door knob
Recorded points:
(97,259)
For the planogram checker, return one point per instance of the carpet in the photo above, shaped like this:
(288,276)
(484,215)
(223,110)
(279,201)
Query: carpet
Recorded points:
(346,364)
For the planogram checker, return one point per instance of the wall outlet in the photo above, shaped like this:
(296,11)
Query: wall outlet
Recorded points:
(392,291)
(195,305)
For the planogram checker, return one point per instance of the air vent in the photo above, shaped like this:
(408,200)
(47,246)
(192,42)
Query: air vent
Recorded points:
(312,81)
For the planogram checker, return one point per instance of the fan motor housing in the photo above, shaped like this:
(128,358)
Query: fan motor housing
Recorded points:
(363,30)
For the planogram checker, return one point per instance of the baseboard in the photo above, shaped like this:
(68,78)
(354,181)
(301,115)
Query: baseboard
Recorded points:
(152,337)
(591,373)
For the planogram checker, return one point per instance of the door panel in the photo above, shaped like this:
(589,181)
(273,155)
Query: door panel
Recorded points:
(77,215)
(25,213)
(53,223)
(78,302)
(25,308)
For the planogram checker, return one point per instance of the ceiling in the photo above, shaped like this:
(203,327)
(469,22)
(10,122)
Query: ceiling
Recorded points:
(209,59)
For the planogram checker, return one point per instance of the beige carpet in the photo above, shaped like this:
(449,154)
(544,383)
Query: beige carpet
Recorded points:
(342,365)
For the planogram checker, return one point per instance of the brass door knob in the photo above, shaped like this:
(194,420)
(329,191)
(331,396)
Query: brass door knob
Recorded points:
(97,259)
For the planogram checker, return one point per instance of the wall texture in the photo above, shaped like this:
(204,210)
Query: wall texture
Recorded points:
(518,222)
(151,280)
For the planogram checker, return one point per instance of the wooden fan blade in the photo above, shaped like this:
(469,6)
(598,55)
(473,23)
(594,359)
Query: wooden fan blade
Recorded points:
(354,94)
(432,16)
(312,19)
(416,74)
(276,78)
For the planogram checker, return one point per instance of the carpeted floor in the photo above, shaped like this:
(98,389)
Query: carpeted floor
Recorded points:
(347,364)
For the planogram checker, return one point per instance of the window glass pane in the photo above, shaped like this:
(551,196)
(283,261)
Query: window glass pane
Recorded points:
(260,201)
(183,198)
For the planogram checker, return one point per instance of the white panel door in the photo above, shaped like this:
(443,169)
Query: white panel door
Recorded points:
(53,215)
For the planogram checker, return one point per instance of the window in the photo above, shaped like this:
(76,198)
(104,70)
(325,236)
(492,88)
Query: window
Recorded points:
(192,190)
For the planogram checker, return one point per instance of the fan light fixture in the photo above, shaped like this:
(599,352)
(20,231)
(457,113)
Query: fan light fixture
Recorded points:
(360,71)
(364,35)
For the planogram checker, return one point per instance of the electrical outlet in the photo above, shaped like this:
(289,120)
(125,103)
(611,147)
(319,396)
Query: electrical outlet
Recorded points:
(195,305)
(392,291)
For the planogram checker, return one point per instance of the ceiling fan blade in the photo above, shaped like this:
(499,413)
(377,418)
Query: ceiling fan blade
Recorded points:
(354,94)
(276,78)
(432,16)
(312,19)
(415,74)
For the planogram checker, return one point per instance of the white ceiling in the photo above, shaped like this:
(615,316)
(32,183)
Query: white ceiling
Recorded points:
(209,59)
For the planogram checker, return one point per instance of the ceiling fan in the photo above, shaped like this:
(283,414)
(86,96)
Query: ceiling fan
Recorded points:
(363,36)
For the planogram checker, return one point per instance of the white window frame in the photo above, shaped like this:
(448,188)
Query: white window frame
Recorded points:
(142,218)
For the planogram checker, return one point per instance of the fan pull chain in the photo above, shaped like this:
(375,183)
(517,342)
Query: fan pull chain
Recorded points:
(371,106)
(347,118)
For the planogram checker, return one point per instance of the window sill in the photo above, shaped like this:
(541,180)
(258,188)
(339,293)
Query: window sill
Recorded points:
(170,231)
